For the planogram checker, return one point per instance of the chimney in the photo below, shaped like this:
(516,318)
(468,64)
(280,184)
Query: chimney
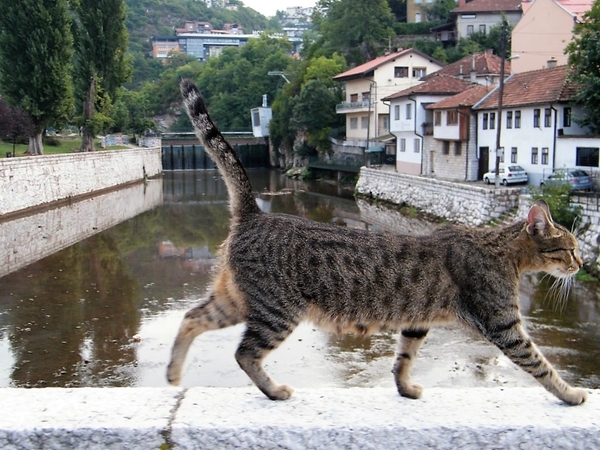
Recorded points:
(551,63)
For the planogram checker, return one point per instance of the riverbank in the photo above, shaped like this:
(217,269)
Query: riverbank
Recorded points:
(33,182)
(376,418)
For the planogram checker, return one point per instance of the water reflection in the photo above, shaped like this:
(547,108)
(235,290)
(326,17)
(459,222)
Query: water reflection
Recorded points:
(104,311)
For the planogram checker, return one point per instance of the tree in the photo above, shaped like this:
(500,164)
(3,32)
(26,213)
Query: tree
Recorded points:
(35,62)
(359,29)
(101,65)
(584,61)
(15,123)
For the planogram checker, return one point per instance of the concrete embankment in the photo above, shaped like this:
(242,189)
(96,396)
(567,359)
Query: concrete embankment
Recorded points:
(216,418)
(36,181)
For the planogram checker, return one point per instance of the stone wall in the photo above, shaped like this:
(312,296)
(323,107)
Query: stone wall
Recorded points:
(465,203)
(34,181)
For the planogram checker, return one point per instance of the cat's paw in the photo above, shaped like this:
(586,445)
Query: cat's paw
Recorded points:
(574,396)
(413,391)
(173,376)
(281,392)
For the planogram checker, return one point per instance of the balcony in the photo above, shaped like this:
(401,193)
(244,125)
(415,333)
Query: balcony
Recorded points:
(348,107)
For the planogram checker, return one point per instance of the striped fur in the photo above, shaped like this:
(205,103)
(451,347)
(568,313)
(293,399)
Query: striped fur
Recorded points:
(279,270)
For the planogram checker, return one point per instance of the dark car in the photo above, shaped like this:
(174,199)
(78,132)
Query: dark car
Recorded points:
(578,179)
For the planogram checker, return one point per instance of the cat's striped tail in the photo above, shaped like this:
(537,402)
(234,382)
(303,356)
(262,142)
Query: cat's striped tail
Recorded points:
(241,199)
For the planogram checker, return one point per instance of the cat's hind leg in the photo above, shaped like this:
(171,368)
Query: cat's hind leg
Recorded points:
(261,337)
(408,347)
(220,310)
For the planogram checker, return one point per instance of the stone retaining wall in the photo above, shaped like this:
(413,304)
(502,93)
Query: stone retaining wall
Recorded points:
(470,204)
(34,181)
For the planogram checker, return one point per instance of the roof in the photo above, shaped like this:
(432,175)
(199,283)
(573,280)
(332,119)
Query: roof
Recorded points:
(437,85)
(367,69)
(488,6)
(531,88)
(576,7)
(484,63)
(466,98)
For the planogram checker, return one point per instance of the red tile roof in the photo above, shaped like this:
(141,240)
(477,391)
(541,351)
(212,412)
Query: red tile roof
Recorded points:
(437,85)
(488,6)
(532,88)
(465,98)
(576,7)
(366,69)
(483,63)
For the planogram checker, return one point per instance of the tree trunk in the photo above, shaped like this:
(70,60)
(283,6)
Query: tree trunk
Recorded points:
(87,140)
(35,144)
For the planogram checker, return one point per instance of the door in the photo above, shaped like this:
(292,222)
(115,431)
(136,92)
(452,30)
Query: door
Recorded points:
(484,161)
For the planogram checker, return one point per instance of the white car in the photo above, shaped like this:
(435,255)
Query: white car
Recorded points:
(507,175)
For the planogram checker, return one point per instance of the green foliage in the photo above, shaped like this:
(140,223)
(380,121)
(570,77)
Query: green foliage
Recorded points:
(558,199)
(35,59)
(439,11)
(359,29)
(584,60)
(411,28)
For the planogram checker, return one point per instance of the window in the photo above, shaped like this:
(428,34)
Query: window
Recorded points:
(509,119)
(353,98)
(354,123)
(482,28)
(364,122)
(470,30)
(451,117)
(397,112)
(417,17)
(544,155)
(492,121)
(457,148)
(485,121)
(409,111)
(518,119)
(419,72)
(566,117)
(437,118)
(536,118)
(366,96)
(547,117)
(534,155)
(513,155)
(445,147)
(385,122)
(417,145)
(401,72)
(587,156)
(402,144)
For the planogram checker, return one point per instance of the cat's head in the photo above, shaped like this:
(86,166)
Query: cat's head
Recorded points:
(557,251)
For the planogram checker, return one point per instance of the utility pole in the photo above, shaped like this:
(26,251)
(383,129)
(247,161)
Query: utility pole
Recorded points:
(500,95)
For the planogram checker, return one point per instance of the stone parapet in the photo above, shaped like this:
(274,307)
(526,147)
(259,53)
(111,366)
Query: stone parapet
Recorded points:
(357,418)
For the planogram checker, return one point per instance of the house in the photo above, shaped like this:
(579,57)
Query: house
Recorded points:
(538,128)
(544,31)
(479,16)
(415,12)
(452,152)
(367,116)
(411,123)
(481,67)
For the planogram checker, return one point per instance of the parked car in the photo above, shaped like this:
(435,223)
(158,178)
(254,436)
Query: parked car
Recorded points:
(508,175)
(578,179)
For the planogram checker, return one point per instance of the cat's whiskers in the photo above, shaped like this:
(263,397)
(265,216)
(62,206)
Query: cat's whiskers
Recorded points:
(559,291)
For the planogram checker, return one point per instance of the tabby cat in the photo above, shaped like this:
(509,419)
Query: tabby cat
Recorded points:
(278,270)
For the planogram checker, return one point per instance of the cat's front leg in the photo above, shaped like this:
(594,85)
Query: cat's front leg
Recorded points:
(408,347)
(516,344)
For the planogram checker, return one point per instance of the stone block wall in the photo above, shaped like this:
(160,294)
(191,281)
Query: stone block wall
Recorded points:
(465,203)
(34,181)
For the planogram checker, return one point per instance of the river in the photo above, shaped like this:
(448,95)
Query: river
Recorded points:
(95,303)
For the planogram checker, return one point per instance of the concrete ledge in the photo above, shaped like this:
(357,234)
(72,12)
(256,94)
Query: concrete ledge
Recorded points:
(214,418)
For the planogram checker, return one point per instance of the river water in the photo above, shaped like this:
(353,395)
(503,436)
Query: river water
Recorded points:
(92,294)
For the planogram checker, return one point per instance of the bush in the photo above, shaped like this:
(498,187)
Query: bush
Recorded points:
(559,200)
(52,141)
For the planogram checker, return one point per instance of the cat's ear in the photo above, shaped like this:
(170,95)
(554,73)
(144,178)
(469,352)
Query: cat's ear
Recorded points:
(539,219)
